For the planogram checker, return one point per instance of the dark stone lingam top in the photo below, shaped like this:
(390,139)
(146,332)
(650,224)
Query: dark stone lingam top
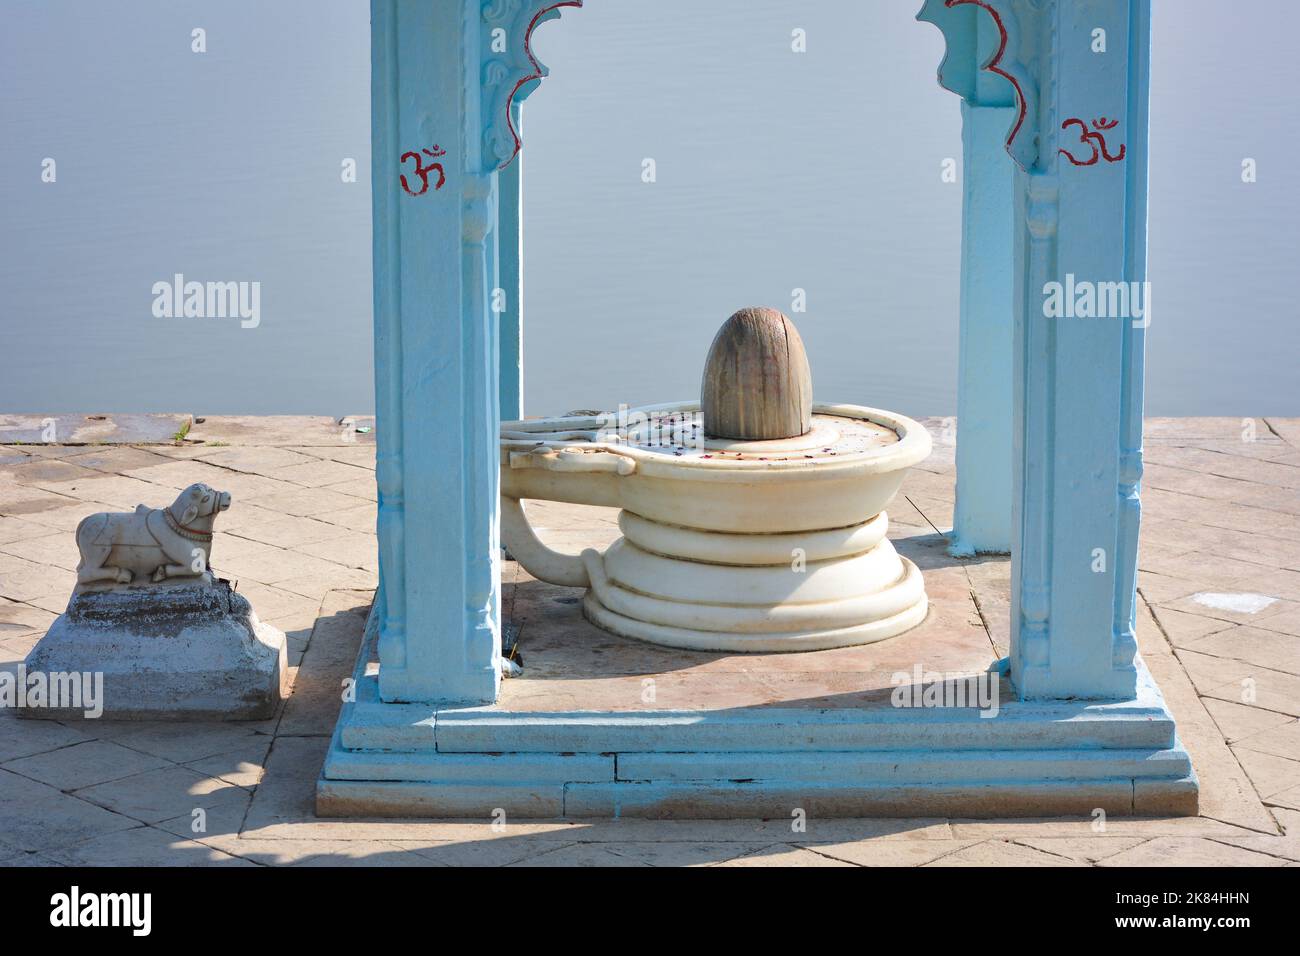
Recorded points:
(757,385)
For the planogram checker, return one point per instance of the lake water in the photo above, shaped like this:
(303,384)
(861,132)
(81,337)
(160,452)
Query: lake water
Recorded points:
(775,171)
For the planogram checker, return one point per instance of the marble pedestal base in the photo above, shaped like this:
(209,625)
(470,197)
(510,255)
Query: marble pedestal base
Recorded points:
(188,651)
(705,590)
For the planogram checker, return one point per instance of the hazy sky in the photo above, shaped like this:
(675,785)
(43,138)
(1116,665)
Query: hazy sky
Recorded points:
(775,171)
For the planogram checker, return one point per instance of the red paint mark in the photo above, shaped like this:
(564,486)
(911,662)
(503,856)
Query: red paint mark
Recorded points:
(535,75)
(423,171)
(1095,138)
(992,65)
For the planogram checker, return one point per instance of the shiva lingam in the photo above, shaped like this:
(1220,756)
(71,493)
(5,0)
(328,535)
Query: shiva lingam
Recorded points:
(752,520)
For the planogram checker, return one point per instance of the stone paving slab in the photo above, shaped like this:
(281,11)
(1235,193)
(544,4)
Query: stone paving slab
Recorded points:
(781,854)
(1082,849)
(1221,517)
(143,846)
(37,817)
(1182,851)
(1226,791)
(283,430)
(84,764)
(68,429)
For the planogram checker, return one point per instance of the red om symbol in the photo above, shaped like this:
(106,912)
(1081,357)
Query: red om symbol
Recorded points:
(1096,138)
(423,171)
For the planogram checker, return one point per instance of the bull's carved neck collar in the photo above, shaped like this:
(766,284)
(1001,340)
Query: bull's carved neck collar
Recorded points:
(194,534)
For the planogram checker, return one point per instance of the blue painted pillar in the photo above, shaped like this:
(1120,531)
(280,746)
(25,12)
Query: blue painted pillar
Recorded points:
(435,355)
(1079,141)
(1081,213)
(978,34)
(982,518)
(510,269)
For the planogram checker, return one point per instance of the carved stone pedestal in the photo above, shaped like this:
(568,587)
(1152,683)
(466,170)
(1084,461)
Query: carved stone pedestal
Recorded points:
(189,651)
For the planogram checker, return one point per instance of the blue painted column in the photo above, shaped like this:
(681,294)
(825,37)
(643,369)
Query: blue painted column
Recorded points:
(982,518)
(1079,143)
(1081,208)
(510,269)
(435,356)
(446,78)
(989,111)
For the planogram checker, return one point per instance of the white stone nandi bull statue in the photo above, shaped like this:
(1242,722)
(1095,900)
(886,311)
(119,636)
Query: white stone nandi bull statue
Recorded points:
(160,543)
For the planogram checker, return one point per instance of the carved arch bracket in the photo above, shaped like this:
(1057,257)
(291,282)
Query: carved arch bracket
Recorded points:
(510,71)
(1016,23)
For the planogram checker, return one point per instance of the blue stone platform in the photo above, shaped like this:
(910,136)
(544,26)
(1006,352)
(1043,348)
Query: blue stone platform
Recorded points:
(725,736)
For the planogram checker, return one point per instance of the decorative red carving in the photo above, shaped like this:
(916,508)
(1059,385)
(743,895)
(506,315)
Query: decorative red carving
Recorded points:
(992,65)
(535,75)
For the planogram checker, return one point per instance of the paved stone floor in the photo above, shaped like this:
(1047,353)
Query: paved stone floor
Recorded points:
(1219,626)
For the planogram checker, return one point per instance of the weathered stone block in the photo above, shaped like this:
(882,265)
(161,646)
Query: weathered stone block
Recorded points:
(190,651)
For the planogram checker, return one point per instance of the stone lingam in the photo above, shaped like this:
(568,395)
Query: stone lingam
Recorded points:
(154,628)
(753,520)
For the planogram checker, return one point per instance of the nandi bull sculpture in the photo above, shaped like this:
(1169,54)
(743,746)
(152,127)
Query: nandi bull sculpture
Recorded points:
(181,644)
(160,543)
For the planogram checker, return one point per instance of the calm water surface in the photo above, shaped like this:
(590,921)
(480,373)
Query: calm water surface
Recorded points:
(775,171)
